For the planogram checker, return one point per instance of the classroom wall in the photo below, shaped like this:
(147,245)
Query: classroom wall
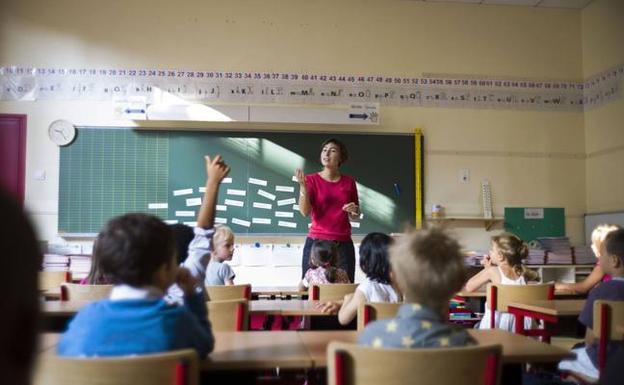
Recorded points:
(603,48)
(531,158)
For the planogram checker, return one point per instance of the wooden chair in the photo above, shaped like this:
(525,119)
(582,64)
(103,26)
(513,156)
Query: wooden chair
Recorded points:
(471,365)
(177,367)
(229,315)
(374,311)
(500,296)
(226,292)
(332,292)
(52,280)
(76,292)
(607,315)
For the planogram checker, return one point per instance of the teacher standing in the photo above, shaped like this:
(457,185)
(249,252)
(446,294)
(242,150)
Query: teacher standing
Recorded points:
(331,199)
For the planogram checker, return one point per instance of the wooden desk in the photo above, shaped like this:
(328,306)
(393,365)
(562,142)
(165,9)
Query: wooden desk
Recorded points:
(548,311)
(517,349)
(277,292)
(257,350)
(62,308)
(292,307)
(482,294)
(47,342)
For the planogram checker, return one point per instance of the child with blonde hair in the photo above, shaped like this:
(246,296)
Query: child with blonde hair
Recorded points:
(429,270)
(503,265)
(218,272)
(597,275)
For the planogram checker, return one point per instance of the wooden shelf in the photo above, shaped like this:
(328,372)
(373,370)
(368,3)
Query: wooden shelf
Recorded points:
(487,222)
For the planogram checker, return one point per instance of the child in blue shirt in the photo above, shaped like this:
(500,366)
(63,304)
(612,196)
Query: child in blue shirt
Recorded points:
(611,259)
(429,269)
(137,251)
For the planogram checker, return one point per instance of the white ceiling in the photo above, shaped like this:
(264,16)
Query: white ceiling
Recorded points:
(573,4)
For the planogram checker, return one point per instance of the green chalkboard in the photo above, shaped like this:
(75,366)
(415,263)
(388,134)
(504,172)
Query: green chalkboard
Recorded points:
(110,171)
(529,228)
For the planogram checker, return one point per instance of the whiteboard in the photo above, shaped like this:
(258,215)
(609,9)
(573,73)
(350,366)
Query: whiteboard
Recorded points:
(593,220)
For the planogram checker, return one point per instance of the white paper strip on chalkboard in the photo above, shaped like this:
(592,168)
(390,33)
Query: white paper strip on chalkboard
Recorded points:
(240,193)
(221,208)
(292,225)
(284,214)
(185,213)
(226,180)
(285,188)
(285,202)
(232,202)
(186,191)
(171,221)
(266,194)
(261,221)
(258,182)
(220,220)
(192,224)
(154,206)
(202,189)
(193,202)
(266,206)
(355,224)
(294,179)
(241,222)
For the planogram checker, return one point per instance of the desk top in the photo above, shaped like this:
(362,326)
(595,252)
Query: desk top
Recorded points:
(308,349)
(277,290)
(482,294)
(557,307)
(62,308)
(291,307)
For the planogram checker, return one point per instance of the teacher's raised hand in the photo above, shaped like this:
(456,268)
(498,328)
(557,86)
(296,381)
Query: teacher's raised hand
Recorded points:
(352,209)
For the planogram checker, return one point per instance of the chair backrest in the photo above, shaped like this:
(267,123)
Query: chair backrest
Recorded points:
(472,365)
(332,291)
(229,315)
(177,367)
(225,292)
(51,280)
(77,292)
(500,296)
(371,311)
(607,316)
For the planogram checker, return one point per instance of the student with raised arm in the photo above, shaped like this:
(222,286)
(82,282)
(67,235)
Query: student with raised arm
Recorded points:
(331,199)
(200,248)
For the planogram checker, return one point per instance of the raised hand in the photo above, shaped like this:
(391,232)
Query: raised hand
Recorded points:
(216,168)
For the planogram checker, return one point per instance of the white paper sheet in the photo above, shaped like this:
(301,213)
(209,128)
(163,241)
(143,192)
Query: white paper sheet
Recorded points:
(154,206)
(192,224)
(285,188)
(287,255)
(171,221)
(292,225)
(259,205)
(193,202)
(185,213)
(240,193)
(284,214)
(241,222)
(221,221)
(232,202)
(221,208)
(285,202)
(186,191)
(256,181)
(266,194)
(226,181)
(261,221)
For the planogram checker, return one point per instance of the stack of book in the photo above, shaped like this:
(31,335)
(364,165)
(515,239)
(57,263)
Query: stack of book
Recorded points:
(55,262)
(558,248)
(536,257)
(584,255)
(79,266)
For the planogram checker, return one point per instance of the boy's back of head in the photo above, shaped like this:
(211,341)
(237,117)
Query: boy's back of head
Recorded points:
(132,247)
(183,236)
(614,244)
(428,266)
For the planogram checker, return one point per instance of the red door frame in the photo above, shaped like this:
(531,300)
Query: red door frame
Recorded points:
(21,161)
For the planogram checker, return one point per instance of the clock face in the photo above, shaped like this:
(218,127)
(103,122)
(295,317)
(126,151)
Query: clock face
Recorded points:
(61,132)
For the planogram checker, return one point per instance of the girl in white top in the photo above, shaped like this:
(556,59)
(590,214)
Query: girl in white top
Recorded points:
(504,266)
(377,287)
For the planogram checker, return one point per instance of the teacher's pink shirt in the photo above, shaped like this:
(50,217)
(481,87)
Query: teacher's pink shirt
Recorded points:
(329,221)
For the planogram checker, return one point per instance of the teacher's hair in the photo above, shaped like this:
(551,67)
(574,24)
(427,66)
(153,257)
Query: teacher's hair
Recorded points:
(344,153)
